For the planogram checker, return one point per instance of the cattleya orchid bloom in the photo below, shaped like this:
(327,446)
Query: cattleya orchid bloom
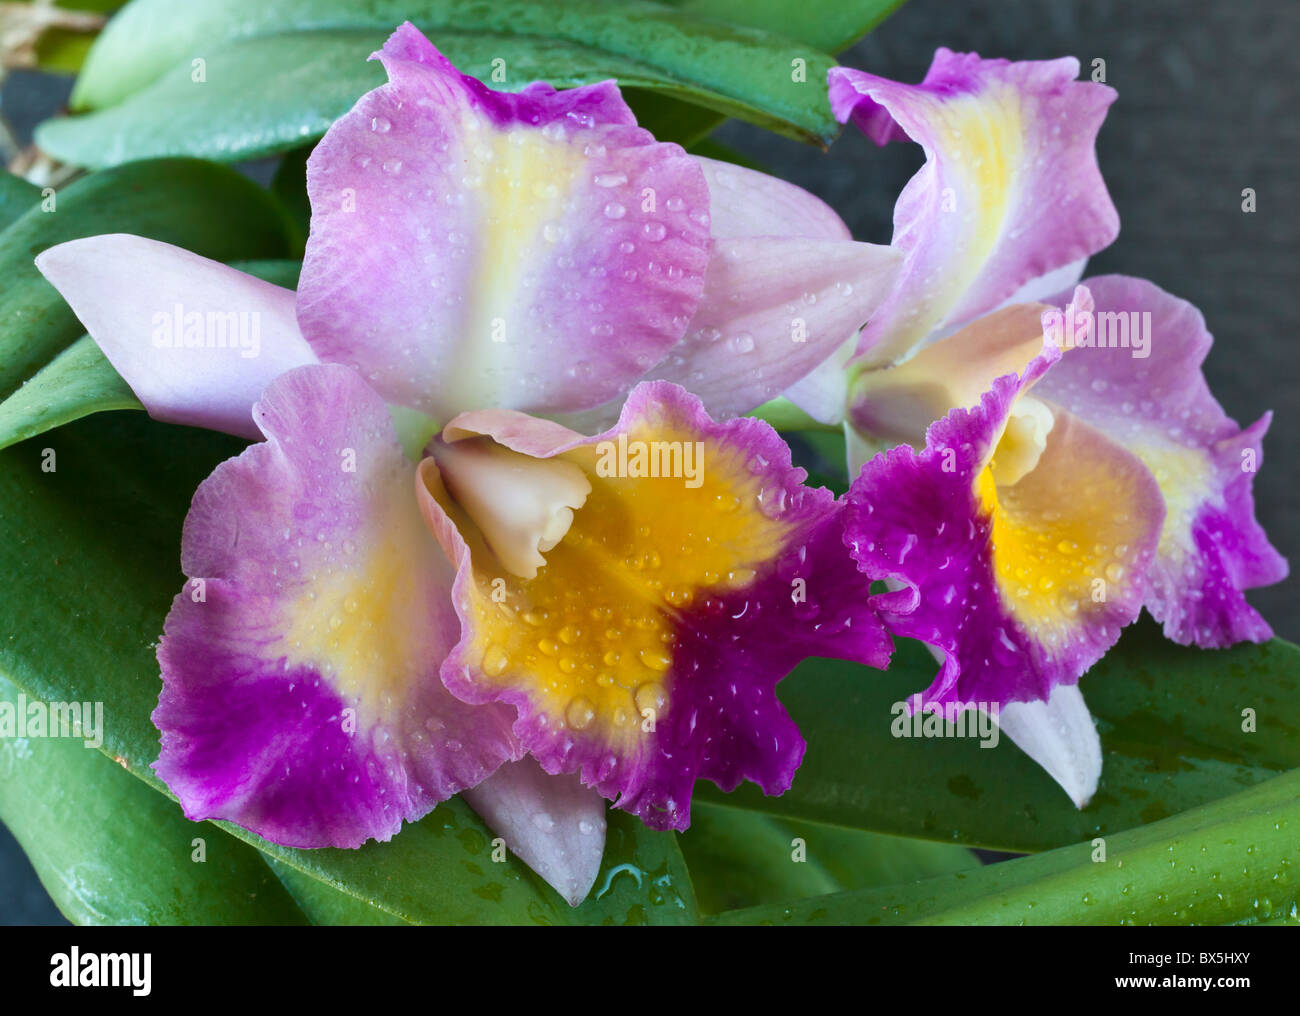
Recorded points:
(1059,464)
(529,615)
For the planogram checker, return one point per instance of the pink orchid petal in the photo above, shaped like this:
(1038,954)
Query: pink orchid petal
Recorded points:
(1022,585)
(534,250)
(301,696)
(1010,190)
(1150,395)
(744,202)
(775,308)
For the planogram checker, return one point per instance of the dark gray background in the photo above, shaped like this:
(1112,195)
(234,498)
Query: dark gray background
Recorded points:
(1207,107)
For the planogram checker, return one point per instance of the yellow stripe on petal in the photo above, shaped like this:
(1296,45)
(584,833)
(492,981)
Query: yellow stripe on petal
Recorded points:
(363,625)
(591,636)
(520,181)
(1064,537)
(1184,475)
(983,137)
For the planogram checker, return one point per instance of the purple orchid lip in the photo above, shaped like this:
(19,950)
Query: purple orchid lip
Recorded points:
(645,654)
(1001,570)
(1027,530)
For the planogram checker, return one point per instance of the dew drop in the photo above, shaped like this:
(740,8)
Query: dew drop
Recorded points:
(580,713)
(495,661)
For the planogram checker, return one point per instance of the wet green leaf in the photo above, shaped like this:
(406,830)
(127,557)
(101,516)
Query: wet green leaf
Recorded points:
(236,79)
(742,858)
(1233,861)
(109,850)
(1173,736)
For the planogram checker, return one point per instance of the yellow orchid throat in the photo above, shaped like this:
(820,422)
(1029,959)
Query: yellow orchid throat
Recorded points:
(590,636)
(1061,532)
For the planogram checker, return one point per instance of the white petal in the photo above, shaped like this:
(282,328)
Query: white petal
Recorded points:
(1060,736)
(744,202)
(553,824)
(196,340)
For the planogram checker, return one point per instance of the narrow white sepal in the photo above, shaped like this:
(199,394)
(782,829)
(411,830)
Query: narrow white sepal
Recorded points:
(196,340)
(553,824)
(1060,736)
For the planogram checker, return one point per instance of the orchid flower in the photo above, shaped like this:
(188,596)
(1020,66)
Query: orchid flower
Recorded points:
(531,616)
(1058,464)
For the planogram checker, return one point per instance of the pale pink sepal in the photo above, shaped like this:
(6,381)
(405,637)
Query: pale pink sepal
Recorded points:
(196,340)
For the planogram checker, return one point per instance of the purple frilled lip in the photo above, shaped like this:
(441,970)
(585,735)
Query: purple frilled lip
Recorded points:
(1140,497)
(323,676)
(729,643)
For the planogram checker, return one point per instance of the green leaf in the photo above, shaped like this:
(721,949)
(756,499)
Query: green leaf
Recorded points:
(324,904)
(50,39)
(830,25)
(99,6)
(277,74)
(61,51)
(290,185)
(1234,861)
(742,858)
(1170,719)
(820,453)
(88,595)
(205,208)
(16,197)
(111,851)
(436,871)
(277,271)
(643,878)
(441,870)
(670,119)
(92,527)
(77,382)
